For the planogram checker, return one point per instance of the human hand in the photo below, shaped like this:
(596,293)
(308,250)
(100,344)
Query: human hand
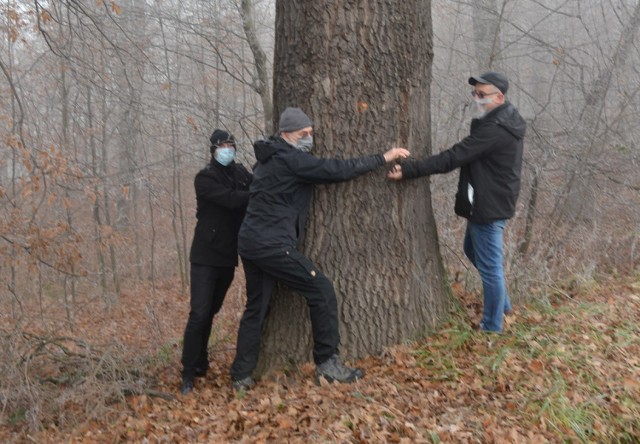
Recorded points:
(395,173)
(396,153)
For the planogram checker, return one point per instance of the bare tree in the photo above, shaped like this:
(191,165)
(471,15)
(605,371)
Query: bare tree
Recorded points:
(487,21)
(261,79)
(578,202)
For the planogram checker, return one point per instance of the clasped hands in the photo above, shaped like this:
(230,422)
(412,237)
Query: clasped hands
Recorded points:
(395,173)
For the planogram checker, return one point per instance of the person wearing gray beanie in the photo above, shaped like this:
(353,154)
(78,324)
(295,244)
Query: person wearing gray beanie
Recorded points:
(281,192)
(296,128)
(293,119)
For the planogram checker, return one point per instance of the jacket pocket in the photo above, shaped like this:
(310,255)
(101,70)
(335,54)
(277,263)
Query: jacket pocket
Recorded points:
(207,233)
(462,206)
(301,265)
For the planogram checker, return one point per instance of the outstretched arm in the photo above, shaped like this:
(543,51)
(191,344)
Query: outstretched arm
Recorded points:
(317,170)
(462,153)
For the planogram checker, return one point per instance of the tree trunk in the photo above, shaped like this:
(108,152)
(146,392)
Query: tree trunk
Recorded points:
(132,80)
(364,79)
(486,32)
(578,203)
(108,219)
(69,281)
(96,203)
(260,81)
(177,214)
(17,121)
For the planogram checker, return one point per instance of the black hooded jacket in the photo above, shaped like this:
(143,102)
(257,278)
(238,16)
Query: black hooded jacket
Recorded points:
(222,194)
(280,194)
(490,160)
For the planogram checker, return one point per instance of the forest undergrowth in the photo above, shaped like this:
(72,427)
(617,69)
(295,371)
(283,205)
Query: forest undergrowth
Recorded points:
(567,369)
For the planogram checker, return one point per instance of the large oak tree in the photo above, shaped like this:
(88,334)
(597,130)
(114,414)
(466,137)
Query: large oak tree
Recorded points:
(362,71)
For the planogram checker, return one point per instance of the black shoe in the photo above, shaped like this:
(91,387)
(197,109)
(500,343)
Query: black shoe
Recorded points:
(333,369)
(243,385)
(187,386)
(201,372)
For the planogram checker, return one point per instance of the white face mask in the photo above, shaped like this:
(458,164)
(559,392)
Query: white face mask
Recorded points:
(484,101)
(480,105)
(305,143)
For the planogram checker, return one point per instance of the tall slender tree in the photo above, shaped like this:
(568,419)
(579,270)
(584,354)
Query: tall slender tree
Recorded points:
(260,76)
(487,20)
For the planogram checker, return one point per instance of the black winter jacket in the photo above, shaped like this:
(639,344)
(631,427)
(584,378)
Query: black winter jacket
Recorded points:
(489,158)
(222,193)
(281,193)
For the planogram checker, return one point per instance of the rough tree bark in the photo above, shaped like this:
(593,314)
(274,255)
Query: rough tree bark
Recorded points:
(362,71)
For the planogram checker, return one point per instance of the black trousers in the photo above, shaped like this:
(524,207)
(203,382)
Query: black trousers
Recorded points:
(209,286)
(297,272)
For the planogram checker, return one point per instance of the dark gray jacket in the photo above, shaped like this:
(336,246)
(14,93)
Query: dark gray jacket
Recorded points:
(489,158)
(280,194)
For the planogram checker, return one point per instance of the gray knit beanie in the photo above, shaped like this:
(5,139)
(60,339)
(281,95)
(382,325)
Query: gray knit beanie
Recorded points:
(293,119)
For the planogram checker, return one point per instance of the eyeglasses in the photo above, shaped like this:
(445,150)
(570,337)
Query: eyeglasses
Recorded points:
(482,95)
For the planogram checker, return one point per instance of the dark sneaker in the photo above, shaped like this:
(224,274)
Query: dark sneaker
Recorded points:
(333,369)
(187,386)
(201,372)
(243,385)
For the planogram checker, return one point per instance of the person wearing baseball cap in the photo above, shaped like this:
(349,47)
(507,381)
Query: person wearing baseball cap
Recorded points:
(490,163)
(491,78)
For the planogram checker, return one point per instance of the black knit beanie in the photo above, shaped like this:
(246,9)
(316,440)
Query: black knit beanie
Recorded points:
(221,136)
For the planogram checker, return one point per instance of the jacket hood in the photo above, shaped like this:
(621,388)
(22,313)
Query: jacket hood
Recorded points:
(265,149)
(508,117)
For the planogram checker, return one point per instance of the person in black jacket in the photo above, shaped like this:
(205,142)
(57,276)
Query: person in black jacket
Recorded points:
(490,161)
(284,176)
(222,194)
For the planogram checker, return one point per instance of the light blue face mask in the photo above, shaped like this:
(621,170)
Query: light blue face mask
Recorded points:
(305,144)
(224,155)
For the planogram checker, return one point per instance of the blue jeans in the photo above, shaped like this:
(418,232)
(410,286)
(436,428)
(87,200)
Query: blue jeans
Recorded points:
(483,247)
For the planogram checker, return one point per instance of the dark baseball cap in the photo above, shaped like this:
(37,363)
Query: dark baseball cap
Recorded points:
(492,78)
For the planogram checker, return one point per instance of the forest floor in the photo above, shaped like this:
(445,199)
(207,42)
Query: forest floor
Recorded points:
(565,370)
